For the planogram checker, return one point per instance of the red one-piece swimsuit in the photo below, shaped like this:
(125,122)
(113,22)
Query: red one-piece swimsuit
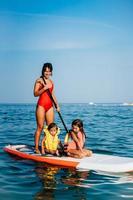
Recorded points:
(45,100)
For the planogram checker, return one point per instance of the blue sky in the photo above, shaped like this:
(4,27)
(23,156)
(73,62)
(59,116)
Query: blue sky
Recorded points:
(89,43)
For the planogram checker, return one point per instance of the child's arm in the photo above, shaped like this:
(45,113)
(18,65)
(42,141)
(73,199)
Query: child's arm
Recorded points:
(77,141)
(42,145)
(60,144)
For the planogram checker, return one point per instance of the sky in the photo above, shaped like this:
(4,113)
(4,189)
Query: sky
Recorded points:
(88,42)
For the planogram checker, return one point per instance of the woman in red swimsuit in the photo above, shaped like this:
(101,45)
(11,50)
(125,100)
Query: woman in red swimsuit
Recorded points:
(44,109)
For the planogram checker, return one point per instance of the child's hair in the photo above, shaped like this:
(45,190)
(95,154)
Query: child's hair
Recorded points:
(79,123)
(52,125)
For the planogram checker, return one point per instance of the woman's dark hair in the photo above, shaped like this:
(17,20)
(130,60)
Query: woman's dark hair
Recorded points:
(52,125)
(45,66)
(79,123)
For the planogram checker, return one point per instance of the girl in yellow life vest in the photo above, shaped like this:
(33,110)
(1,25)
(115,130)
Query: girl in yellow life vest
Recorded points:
(51,142)
(75,140)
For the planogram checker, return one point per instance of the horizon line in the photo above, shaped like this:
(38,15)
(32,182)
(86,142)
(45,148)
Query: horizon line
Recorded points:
(90,103)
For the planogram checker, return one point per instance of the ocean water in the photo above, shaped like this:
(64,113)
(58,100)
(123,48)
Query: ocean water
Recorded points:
(109,130)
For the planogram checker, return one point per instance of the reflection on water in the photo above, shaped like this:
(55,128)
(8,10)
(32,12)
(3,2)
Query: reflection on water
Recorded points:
(75,178)
(58,181)
(47,175)
(52,182)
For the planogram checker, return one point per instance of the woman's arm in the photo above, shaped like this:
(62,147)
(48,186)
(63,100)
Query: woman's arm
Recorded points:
(39,87)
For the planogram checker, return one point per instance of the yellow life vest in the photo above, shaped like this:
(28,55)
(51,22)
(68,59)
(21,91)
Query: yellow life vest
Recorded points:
(66,138)
(51,142)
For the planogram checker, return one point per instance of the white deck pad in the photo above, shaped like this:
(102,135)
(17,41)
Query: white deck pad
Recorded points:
(107,163)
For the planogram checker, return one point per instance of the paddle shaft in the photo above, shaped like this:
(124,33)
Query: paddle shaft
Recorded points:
(51,97)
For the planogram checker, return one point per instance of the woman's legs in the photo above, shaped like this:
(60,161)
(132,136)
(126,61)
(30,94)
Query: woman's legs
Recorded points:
(40,117)
(49,116)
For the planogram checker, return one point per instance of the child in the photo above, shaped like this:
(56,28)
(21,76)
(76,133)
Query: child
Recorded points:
(50,142)
(75,147)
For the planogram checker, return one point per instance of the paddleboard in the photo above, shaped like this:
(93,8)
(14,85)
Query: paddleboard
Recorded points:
(97,162)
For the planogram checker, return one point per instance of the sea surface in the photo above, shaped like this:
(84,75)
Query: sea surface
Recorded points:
(109,130)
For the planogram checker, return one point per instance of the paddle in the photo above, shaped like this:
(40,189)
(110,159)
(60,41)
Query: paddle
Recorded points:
(50,95)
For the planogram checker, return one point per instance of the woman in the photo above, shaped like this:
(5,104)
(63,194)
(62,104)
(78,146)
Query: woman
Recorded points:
(44,109)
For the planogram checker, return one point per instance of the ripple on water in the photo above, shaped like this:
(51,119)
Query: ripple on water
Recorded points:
(108,130)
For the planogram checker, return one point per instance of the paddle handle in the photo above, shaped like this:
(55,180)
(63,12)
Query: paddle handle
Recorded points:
(50,95)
